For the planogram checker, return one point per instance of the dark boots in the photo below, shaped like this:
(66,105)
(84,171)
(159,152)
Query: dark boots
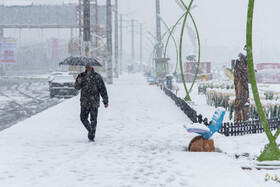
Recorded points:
(91,135)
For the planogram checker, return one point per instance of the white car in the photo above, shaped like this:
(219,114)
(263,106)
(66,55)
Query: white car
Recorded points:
(56,73)
(63,86)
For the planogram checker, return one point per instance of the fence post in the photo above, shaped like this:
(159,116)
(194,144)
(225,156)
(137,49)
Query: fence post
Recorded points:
(259,126)
(222,128)
(250,127)
(231,129)
(254,127)
(239,128)
(227,129)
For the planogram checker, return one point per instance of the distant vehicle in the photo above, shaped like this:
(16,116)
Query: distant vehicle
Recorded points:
(204,71)
(63,86)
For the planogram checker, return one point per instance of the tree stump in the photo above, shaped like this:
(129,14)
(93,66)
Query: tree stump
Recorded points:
(198,144)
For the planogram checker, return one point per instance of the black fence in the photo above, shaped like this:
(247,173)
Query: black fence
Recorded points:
(191,113)
(228,128)
(247,127)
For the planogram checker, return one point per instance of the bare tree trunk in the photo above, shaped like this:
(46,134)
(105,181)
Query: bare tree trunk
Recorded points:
(241,80)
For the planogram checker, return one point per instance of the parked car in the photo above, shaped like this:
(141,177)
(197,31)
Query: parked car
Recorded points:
(63,86)
(56,73)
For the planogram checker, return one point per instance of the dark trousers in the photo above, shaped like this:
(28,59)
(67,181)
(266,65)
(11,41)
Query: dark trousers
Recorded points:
(90,126)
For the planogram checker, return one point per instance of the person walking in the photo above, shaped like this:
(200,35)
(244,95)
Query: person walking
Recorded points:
(92,86)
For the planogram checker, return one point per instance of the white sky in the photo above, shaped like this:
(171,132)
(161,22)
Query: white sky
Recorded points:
(220,23)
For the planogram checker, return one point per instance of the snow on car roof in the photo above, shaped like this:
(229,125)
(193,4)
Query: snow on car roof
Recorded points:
(64,78)
(60,73)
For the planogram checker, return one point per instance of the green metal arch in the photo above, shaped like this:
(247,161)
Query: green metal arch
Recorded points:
(271,152)
(187,98)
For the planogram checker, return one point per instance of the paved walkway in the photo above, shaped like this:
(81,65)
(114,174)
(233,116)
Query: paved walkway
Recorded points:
(140,142)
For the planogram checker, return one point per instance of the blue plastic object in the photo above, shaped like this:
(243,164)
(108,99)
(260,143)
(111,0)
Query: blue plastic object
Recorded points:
(215,124)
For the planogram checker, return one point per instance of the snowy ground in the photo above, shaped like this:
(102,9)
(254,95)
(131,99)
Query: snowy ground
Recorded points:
(140,142)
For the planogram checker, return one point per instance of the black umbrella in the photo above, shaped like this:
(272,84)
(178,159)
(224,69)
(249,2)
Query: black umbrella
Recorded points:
(80,61)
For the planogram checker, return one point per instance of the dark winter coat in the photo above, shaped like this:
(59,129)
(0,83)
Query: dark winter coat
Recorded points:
(92,87)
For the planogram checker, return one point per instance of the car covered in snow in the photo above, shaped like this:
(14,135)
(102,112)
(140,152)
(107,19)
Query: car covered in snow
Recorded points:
(63,86)
(56,73)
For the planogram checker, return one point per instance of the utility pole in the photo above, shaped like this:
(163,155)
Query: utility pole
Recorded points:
(158,30)
(161,64)
(121,47)
(80,20)
(141,48)
(121,40)
(109,42)
(86,36)
(116,40)
(2,67)
(132,43)
(96,22)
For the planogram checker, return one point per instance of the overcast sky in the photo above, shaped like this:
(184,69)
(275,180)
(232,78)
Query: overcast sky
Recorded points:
(220,22)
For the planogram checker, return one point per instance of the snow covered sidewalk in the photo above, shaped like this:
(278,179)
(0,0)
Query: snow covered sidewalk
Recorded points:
(140,141)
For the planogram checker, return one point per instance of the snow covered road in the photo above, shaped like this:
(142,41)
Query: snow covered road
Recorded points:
(140,141)
(22,97)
